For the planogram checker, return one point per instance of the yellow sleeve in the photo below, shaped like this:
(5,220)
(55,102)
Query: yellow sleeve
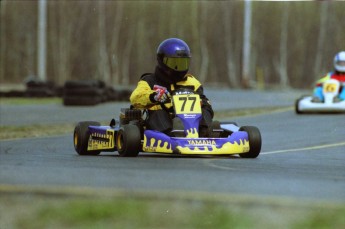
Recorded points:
(323,79)
(140,97)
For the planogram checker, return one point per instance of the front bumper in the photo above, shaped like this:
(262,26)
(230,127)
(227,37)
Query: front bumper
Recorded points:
(306,105)
(158,142)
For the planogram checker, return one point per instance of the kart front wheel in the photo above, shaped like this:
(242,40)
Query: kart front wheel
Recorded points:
(128,141)
(81,137)
(297,110)
(254,138)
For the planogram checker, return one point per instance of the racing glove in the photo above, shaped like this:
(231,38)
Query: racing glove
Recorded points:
(160,95)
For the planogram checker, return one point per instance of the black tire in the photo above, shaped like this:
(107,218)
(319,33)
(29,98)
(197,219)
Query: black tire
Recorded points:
(128,140)
(34,83)
(81,100)
(73,84)
(84,92)
(297,110)
(124,95)
(12,93)
(254,138)
(81,137)
(39,92)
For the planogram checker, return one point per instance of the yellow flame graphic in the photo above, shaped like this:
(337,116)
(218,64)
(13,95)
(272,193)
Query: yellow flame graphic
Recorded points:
(227,148)
(192,133)
(166,148)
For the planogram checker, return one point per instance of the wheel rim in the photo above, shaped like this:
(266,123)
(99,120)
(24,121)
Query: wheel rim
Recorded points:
(119,140)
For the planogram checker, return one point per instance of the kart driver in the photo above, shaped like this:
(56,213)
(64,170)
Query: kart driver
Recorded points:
(171,73)
(338,74)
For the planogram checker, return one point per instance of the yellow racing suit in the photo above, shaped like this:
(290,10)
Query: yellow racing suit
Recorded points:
(142,98)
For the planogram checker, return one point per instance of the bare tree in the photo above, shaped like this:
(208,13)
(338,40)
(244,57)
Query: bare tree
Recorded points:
(115,40)
(321,38)
(194,35)
(3,37)
(64,42)
(103,61)
(114,44)
(246,79)
(230,63)
(126,57)
(281,65)
(203,43)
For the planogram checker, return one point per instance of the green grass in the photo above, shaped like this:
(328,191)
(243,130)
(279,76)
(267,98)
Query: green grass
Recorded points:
(131,210)
(29,131)
(226,115)
(30,101)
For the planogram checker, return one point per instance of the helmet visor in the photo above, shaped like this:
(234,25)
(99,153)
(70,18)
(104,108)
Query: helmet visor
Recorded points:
(177,63)
(340,63)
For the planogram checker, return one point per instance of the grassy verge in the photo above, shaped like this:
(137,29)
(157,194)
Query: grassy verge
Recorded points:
(29,101)
(162,211)
(226,115)
(29,131)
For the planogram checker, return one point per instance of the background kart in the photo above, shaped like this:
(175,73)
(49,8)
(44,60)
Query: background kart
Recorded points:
(129,135)
(331,103)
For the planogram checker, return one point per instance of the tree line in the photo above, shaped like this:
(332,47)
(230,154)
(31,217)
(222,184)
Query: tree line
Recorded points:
(292,43)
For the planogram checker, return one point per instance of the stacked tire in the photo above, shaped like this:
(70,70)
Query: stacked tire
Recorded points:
(84,92)
(41,89)
(118,94)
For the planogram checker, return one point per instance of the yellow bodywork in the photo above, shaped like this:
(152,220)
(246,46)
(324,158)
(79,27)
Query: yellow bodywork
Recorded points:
(197,146)
(227,148)
(101,141)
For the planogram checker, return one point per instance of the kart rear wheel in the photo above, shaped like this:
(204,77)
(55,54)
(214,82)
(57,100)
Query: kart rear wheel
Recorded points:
(128,140)
(81,137)
(254,138)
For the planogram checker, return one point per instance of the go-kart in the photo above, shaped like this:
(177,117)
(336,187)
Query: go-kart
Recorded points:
(129,135)
(331,103)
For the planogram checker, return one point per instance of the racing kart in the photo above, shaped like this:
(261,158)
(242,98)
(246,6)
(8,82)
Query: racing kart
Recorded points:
(129,135)
(331,103)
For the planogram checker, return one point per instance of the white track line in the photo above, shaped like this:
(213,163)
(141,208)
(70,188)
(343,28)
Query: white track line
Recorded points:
(306,148)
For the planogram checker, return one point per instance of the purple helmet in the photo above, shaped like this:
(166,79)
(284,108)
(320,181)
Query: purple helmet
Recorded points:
(173,56)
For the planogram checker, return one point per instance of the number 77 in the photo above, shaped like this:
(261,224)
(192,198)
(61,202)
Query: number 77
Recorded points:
(184,99)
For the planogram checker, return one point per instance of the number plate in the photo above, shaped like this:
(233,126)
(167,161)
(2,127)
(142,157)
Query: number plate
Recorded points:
(330,87)
(187,104)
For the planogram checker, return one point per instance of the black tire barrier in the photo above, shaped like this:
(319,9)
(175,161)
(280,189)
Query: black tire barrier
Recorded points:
(39,92)
(72,84)
(12,93)
(118,95)
(84,91)
(34,83)
(72,88)
(81,100)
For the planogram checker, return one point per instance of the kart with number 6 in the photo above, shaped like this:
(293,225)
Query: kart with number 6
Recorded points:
(330,104)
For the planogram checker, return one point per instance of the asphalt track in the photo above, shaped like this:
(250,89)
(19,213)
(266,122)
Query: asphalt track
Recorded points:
(303,157)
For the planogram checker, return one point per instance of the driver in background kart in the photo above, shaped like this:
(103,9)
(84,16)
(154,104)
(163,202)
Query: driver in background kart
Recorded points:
(171,73)
(338,74)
